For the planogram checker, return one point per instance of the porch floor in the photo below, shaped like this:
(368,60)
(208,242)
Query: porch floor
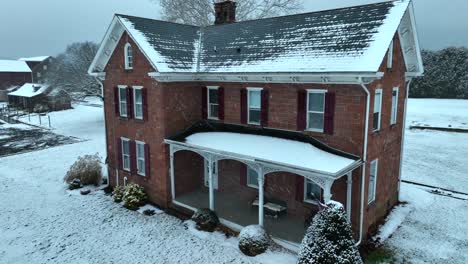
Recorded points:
(229,207)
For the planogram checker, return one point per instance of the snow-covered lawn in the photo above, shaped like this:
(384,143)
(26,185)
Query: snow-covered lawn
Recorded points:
(438,113)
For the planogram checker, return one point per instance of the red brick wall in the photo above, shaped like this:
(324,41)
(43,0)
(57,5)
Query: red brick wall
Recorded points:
(8,79)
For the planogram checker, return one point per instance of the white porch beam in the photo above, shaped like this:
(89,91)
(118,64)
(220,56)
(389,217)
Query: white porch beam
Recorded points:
(327,193)
(211,185)
(348,195)
(261,199)
(171,165)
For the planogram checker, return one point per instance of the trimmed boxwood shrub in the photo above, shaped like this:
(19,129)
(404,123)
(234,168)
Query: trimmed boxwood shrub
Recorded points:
(206,220)
(254,240)
(134,196)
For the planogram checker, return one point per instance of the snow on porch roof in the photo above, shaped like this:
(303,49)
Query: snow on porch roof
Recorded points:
(30,90)
(278,150)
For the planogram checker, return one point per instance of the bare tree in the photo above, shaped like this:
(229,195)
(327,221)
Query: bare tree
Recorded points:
(70,70)
(201,12)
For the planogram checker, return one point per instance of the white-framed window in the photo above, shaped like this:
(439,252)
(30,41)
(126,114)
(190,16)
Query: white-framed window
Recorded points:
(316,110)
(377,110)
(122,100)
(312,192)
(39,75)
(254,102)
(128,53)
(125,153)
(213,103)
(252,178)
(138,102)
(140,158)
(44,67)
(374,165)
(394,116)
(390,56)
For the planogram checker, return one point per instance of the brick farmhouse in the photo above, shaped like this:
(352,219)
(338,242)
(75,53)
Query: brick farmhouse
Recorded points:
(13,73)
(263,120)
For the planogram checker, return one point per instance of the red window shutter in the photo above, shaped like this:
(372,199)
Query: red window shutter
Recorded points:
(329,113)
(133,164)
(147,161)
(116,101)
(221,103)
(265,106)
(144,94)
(301,110)
(243,175)
(204,102)
(243,105)
(118,151)
(129,102)
(299,188)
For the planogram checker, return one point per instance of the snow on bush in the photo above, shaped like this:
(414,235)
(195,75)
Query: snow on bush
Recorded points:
(254,240)
(206,220)
(329,240)
(134,196)
(118,194)
(87,169)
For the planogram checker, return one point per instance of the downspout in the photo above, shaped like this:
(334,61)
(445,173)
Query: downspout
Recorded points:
(403,133)
(364,159)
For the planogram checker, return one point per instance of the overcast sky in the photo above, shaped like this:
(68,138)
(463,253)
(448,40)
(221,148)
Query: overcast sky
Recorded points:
(45,27)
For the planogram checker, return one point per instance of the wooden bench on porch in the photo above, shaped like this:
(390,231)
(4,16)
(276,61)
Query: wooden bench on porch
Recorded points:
(272,208)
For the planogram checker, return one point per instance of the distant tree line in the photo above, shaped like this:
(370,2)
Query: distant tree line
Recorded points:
(446,75)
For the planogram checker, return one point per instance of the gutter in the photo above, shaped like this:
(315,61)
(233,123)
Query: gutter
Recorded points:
(410,80)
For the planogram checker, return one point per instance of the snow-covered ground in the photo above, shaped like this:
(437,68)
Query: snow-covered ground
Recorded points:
(444,113)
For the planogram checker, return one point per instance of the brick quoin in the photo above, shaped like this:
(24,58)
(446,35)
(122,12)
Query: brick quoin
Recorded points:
(174,107)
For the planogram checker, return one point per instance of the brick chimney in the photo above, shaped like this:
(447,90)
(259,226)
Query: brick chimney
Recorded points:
(225,12)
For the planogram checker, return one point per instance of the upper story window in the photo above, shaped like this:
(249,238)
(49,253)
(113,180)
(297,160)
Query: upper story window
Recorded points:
(315,110)
(390,56)
(140,158)
(377,110)
(312,192)
(128,53)
(138,102)
(394,116)
(123,101)
(252,178)
(44,67)
(125,154)
(213,102)
(254,102)
(372,181)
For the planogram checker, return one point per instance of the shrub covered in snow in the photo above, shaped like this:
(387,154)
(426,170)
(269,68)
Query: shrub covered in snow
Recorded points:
(329,240)
(118,194)
(206,220)
(134,196)
(254,240)
(87,169)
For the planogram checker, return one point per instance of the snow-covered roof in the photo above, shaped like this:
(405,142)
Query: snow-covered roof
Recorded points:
(35,59)
(14,66)
(30,90)
(278,150)
(351,39)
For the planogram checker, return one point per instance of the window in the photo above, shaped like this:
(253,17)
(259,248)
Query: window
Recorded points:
(128,51)
(372,181)
(390,56)
(312,192)
(123,101)
(138,102)
(140,158)
(377,110)
(213,104)
(44,67)
(315,110)
(254,105)
(252,178)
(125,154)
(39,75)
(394,106)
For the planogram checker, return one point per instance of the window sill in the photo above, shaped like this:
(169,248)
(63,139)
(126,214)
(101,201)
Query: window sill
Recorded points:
(129,70)
(139,120)
(123,118)
(253,124)
(314,131)
(371,205)
(311,202)
(141,175)
(213,118)
(252,186)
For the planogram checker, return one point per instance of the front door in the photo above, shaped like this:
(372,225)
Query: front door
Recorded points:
(215,175)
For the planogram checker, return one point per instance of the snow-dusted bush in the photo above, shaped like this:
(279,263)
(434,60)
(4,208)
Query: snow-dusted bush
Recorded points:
(254,240)
(118,194)
(134,196)
(206,220)
(87,169)
(41,108)
(329,240)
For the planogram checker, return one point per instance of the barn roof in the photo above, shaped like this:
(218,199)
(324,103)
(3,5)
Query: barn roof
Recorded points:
(352,39)
(30,90)
(13,66)
(35,59)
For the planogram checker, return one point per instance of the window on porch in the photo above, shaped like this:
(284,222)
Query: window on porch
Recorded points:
(313,192)
(252,178)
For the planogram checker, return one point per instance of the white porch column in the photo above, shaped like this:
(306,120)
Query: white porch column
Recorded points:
(327,193)
(171,151)
(211,185)
(348,195)
(261,199)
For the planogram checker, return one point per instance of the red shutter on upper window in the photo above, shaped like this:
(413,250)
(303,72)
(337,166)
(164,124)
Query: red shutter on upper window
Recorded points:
(144,98)
(265,106)
(118,151)
(116,101)
(243,105)
(129,102)
(133,163)
(301,110)
(147,161)
(329,113)
(204,102)
(221,103)
(299,188)
(243,175)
